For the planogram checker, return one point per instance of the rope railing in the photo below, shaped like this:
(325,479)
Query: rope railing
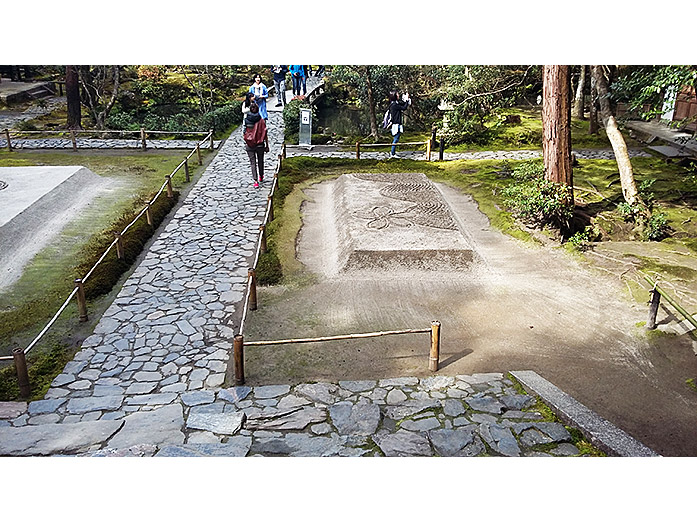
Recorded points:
(19,355)
(140,135)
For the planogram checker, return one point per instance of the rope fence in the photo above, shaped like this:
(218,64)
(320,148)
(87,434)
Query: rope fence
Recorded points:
(141,135)
(19,354)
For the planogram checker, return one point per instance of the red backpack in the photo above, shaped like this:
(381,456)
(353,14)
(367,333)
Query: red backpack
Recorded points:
(254,136)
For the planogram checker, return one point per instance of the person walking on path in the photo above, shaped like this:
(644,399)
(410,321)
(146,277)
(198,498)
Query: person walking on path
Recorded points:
(297,74)
(261,93)
(279,82)
(256,142)
(320,71)
(307,70)
(397,107)
(248,100)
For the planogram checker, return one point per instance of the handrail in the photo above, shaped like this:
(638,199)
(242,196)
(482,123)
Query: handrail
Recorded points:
(340,337)
(208,136)
(689,317)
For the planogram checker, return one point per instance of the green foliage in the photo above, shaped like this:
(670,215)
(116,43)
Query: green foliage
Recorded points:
(691,383)
(537,201)
(108,272)
(582,240)
(291,115)
(269,271)
(186,119)
(656,227)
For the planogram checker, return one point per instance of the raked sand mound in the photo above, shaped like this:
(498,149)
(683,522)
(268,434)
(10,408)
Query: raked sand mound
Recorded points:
(35,206)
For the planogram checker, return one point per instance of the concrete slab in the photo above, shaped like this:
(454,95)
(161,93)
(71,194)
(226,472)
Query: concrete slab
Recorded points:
(670,152)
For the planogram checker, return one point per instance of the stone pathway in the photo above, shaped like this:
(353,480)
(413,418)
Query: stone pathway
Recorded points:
(9,118)
(92,143)
(475,415)
(331,152)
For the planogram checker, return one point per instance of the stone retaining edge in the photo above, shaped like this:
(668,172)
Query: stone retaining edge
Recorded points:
(600,432)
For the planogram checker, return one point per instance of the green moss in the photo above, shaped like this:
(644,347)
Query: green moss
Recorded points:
(691,383)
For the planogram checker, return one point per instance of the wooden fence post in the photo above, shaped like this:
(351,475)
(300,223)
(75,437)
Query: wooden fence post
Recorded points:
(22,372)
(9,143)
(358,150)
(262,242)
(270,199)
(284,151)
(252,289)
(186,170)
(435,346)
(238,355)
(81,302)
(211,131)
(653,309)
(428,151)
(142,137)
(170,192)
(119,245)
(441,149)
(148,215)
(198,151)
(280,161)
(73,139)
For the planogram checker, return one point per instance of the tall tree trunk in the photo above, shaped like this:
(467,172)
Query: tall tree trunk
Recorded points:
(593,116)
(578,100)
(371,104)
(72,93)
(619,146)
(556,125)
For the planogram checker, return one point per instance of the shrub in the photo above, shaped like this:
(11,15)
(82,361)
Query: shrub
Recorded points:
(581,240)
(540,202)
(656,227)
(222,118)
(291,115)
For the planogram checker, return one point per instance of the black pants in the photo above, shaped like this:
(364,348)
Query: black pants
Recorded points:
(256,161)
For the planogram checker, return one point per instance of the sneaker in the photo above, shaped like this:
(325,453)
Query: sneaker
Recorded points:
(261,179)
(256,185)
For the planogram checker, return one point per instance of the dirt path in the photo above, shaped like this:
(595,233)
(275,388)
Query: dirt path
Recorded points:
(517,307)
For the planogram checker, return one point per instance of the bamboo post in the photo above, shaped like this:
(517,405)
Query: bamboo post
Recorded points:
(73,139)
(211,131)
(148,215)
(170,193)
(81,302)
(119,245)
(142,138)
(428,151)
(186,170)
(198,151)
(238,356)
(22,372)
(358,150)
(441,149)
(435,346)
(653,309)
(252,289)
(262,249)
(270,199)
(9,143)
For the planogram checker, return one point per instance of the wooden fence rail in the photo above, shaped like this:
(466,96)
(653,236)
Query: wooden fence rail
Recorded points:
(656,293)
(20,359)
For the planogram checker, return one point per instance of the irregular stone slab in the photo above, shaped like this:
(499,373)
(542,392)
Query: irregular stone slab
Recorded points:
(411,408)
(421,425)
(518,401)
(453,408)
(162,398)
(270,391)
(449,442)
(290,401)
(306,445)
(198,397)
(62,379)
(556,431)
(12,409)
(45,440)
(481,378)
(107,390)
(318,392)
(565,449)
(404,443)
(158,427)
(532,437)
(234,394)
(486,404)
(147,376)
(395,396)
(136,451)
(45,406)
(355,419)
(141,388)
(203,437)
(82,405)
(500,439)
(437,382)
(291,419)
(399,382)
(236,447)
(358,386)
(219,423)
